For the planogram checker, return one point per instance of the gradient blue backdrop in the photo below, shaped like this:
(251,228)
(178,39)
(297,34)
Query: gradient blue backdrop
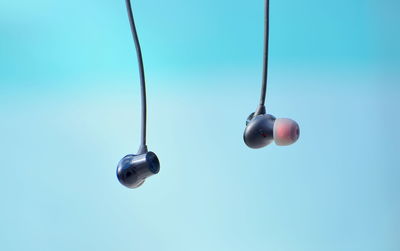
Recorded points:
(69,110)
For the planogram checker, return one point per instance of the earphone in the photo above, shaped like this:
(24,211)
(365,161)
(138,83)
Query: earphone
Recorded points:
(133,169)
(261,128)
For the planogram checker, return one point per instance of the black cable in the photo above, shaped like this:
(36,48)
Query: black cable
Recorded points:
(265,66)
(141,71)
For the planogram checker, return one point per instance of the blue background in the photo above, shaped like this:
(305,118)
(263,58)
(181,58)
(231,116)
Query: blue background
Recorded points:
(69,110)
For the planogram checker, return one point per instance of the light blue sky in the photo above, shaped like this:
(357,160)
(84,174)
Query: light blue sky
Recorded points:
(69,110)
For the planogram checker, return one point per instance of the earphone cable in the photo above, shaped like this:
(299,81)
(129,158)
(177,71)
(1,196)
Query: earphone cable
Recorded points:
(265,62)
(141,71)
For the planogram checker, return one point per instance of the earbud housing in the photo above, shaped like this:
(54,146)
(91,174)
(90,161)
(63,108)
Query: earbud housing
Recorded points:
(132,170)
(259,131)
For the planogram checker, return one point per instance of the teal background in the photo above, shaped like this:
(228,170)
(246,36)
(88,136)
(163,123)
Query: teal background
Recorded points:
(69,111)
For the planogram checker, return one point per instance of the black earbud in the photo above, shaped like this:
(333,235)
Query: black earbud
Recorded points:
(262,129)
(134,169)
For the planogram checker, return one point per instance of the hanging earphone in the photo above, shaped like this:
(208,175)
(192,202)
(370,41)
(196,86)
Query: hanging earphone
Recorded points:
(133,169)
(261,128)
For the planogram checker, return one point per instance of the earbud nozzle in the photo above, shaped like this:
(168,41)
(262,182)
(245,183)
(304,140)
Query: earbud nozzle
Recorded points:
(286,131)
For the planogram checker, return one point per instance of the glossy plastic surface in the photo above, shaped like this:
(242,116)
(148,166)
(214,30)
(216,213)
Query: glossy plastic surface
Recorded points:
(259,131)
(133,169)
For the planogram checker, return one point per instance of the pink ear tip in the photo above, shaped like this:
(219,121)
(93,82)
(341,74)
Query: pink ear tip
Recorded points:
(286,131)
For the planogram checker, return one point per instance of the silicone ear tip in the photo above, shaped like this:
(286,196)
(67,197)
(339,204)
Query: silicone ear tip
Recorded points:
(286,131)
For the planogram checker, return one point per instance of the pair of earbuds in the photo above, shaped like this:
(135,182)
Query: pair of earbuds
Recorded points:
(261,128)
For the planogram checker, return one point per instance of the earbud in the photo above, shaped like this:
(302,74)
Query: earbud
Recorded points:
(133,169)
(263,128)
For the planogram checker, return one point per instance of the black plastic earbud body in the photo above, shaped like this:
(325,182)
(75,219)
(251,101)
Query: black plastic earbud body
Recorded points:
(133,169)
(262,129)
(259,130)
